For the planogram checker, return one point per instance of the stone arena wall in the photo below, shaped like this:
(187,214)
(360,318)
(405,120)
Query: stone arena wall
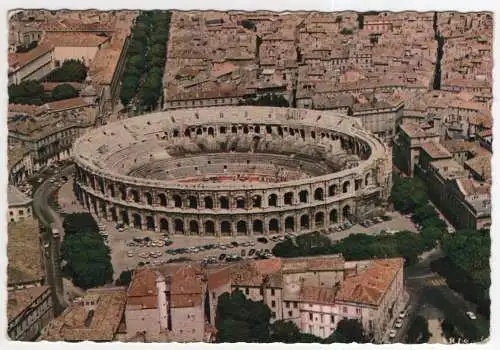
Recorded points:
(105,156)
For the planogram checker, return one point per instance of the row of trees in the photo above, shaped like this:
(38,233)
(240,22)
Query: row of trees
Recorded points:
(357,246)
(88,261)
(31,92)
(142,80)
(242,320)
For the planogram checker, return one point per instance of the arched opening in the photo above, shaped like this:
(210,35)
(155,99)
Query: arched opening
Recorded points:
(176,133)
(199,131)
(257,129)
(303,196)
(137,221)
(273,200)
(274,225)
(289,224)
(209,202)
(313,134)
(149,198)
(367,179)
(346,212)
(280,131)
(187,133)
(225,228)
(123,193)
(193,202)
(257,201)
(209,227)
(150,223)
(258,226)
(332,190)
(114,215)
(162,198)
(346,186)
(318,194)
(135,195)
(334,217)
(234,130)
(111,190)
(211,131)
(224,202)
(319,219)
(304,221)
(269,129)
(102,208)
(125,219)
(241,227)
(163,225)
(240,203)
(288,198)
(357,184)
(177,201)
(179,226)
(193,227)
(245,129)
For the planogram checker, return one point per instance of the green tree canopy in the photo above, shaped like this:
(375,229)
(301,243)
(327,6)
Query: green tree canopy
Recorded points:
(79,222)
(27,92)
(125,278)
(408,194)
(418,332)
(70,71)
(239,319)
(64,91)
(348,331)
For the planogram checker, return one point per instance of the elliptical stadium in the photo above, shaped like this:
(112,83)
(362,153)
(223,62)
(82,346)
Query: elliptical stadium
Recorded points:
(233,171)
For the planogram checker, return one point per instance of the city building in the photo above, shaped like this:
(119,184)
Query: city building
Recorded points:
(97,316)
(20,205)
(314,292)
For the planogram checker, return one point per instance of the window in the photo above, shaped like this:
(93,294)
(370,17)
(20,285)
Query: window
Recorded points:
(332,318)
(272,292)
(344,309)
(213,295)
(247,291)
(287,304)
(273,303)
(358,311)
(273,315)
(21,212)
(11,213)
(310,316)
(261,291)
(290,313)
(295,304)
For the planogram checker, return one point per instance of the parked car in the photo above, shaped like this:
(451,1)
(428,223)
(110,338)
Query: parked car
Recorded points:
(398,323)
(471,315)
(222,256)
(402,314)
(392,333)
(262,240)
(234,243)
(251,252)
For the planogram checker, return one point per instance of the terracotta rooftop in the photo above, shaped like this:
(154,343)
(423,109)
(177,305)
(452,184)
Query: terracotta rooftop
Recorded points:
(19,60)
(186,287)
(79,324)
(369,286)
(69,103)
(455,146)
(415,131)
(435,150)
(142,290)
(72,39)
(320,263)
(481,165)
(319,295)
(20,299)
(24,253)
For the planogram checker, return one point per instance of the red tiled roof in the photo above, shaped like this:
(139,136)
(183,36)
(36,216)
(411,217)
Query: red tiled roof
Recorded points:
(369,286)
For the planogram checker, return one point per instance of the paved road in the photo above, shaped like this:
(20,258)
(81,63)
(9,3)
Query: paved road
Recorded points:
(428,289)
(47,217)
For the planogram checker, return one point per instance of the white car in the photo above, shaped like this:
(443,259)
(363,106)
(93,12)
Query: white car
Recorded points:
(471,315)
(392,333)
(402,314)
(398,323)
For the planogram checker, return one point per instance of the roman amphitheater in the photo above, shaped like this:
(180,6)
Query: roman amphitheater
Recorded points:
(233,171)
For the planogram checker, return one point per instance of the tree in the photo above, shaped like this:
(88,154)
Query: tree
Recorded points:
(424,212)
(79,222)
(239,319)
(418,332)
(348,331)
(70,71)
(346,31)
(27,92)
(64,91)
(408,194)
(88,262)
(125,278)
(284,332)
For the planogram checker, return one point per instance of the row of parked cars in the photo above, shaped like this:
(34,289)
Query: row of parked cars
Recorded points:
(375,220)
(251,254)
(142,242)
(397,324)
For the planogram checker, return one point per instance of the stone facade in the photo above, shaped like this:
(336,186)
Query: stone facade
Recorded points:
(113,185)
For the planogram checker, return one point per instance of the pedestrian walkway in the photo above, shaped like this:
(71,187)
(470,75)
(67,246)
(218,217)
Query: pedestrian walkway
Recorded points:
(436,282)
